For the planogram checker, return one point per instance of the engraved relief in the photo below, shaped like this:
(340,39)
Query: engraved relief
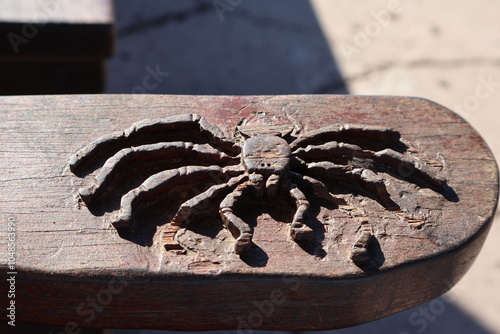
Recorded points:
(141,166)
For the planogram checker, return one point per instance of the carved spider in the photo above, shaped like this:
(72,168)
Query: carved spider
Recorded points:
(263,166)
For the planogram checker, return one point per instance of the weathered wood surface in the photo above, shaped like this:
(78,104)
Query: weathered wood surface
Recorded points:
(73,267)
(54,47)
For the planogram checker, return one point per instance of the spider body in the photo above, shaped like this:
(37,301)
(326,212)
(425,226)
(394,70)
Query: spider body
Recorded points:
(263,166)
(266,155)
(266,158)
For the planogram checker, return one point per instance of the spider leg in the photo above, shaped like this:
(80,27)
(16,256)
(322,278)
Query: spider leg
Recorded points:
(298,230)
(240,230)
(364,177)
(360,249)
(328,150)
(177,128)
(317,187)
(272,186)
(196,206)
(174,153)
(407,165)
(150,191)
(404,165)
(341,132)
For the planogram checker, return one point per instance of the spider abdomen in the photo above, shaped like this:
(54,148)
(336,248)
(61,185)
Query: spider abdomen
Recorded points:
(266,154)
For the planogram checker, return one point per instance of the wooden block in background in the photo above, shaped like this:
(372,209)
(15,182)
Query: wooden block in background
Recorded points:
(27,328)
(54,46)
(66,254)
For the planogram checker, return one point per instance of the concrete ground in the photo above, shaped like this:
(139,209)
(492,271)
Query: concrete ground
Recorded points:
(446,51)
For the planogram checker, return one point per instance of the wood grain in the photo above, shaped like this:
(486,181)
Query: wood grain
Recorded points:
(67,257)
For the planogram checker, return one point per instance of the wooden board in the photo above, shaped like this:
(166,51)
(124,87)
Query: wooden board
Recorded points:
(54,47)
(58,11)
(56,29)
(74,267)
(52,77)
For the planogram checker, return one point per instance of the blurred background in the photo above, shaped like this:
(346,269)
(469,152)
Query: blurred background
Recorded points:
(446,51)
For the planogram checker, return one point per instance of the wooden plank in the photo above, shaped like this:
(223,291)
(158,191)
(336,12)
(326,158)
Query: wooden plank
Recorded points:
(58,11)
(26,328)
(56,29)
(51,77)
(54,47)
(74,267)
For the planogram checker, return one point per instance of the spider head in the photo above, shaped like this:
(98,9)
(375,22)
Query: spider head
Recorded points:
(266,154)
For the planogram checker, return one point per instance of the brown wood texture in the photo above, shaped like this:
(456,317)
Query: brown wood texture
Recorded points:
(74,267)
